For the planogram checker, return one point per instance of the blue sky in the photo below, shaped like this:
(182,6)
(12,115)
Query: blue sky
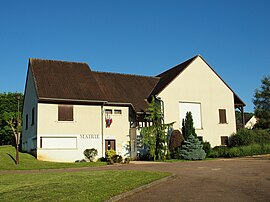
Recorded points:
(138,37)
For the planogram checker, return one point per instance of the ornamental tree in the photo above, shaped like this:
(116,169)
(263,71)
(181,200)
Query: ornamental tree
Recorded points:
(262,104)
(155,136)
(192,149)
(187,126)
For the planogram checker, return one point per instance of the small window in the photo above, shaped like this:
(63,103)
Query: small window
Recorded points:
(117,111)
(222,116)
(108,111)
(65,112)
(26,122)
(224,140)
(33,116)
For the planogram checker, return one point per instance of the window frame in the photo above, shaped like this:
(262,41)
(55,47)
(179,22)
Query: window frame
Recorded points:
(222,116)
(224,140)
(64,114)
(117,110)
(108,111)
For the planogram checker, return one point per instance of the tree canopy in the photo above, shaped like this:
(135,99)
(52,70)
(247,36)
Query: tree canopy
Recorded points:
(8,115)
(261,102)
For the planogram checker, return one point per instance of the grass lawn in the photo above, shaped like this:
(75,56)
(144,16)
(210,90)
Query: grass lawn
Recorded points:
(28,162)
(78,186)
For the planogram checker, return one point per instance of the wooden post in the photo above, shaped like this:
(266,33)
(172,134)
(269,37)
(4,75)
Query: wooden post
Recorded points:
(243,116)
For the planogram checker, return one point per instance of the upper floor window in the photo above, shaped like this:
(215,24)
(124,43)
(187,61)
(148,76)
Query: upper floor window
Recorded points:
(108,111)
(222,116)
(33,116)
(65,112)
(117,111)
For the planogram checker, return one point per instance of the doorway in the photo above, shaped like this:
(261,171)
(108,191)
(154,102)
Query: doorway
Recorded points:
(109,144)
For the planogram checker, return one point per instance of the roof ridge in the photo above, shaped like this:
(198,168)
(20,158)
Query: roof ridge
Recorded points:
(100,72)
(50,60)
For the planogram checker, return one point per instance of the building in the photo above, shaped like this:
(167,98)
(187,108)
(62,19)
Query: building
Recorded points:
(250,122)
(69,108)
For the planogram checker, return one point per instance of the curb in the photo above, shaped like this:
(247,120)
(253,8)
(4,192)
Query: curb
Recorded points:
(138,189)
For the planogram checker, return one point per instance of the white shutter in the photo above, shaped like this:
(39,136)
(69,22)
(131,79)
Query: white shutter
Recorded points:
(195,109)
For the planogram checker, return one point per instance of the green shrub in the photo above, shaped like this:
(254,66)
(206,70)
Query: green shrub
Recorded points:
(262,136)
(241,138)
(127,160)
(192,149)
(245,137)
(250,150)
(110,153)
(206,147)
(117,159)
(90,154)
(218,151)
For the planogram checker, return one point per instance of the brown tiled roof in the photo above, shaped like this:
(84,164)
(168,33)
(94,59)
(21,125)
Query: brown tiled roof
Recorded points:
(125,88)
(59,80)
(64,80)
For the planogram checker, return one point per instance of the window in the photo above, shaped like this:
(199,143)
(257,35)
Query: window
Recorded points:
(33,116)
(65,112)
(195,109)
(26,122)
(224,140)
(108,111)
(222,116)
(117,111)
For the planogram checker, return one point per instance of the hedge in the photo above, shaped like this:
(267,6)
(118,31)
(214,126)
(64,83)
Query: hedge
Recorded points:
(246,137)
(253,149)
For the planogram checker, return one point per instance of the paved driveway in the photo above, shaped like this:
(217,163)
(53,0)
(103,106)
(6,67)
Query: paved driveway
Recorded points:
(243,179)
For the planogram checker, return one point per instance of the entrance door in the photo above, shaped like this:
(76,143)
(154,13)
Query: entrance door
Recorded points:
(109,144)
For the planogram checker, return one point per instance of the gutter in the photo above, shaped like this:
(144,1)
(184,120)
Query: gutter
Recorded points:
(69,100)
(102,129)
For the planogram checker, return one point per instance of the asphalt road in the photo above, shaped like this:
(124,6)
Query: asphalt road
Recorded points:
(242,179)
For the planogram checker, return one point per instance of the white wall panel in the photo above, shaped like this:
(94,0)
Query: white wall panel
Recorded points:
(195,109)
(59,142)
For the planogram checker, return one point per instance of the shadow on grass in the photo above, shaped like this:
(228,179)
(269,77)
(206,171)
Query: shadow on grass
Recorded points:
(12,158)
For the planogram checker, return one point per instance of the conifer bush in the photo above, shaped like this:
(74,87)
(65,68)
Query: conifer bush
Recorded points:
(192,149)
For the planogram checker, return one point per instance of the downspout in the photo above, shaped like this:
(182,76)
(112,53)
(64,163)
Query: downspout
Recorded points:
(102,129)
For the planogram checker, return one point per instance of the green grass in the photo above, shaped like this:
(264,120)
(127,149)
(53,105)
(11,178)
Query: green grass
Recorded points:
(28,162)
(81,186)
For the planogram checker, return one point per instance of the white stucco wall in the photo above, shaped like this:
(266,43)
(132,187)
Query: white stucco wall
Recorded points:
(30,102)
(86,128)
(198,83)
(119,129)
(86,123)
